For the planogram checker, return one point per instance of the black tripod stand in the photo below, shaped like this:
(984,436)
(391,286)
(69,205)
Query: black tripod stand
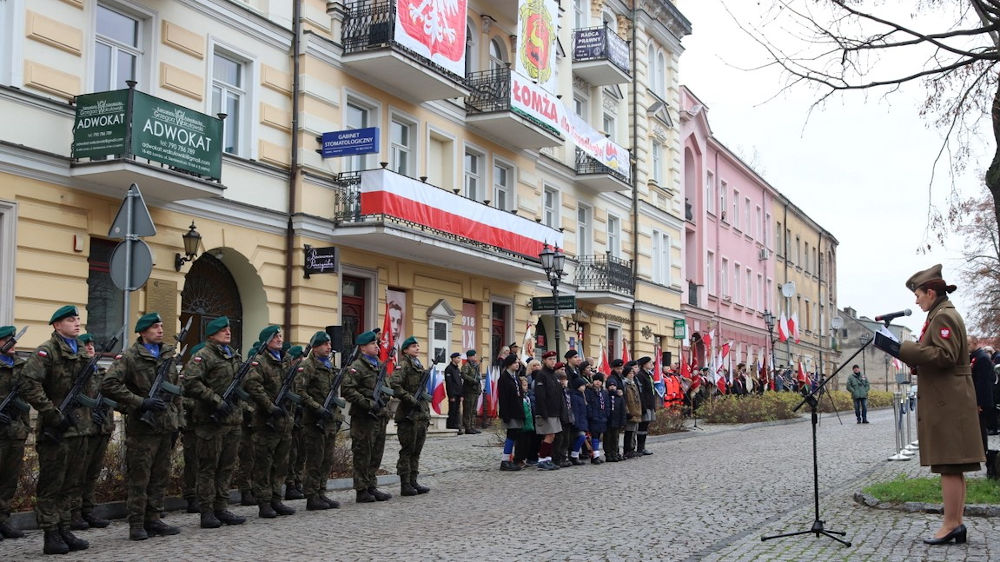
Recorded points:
(811,399)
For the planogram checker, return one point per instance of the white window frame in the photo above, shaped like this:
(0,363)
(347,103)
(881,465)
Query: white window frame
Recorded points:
(609,122)
(412,150)
(8,259)
(441,313)
(148,38)
(551,215)
(249,114)
(710,192)
(723,188)
(433,135)
(498,63)
(656,156)
(480,176)
(735,219)
(580,13)
(710,272)
(471,47)
(585,230)
(748,226)
(614,235)
(511,187)
(651,66)
(749,289)
(760,292)
(374,109)
(737,283)
(724,278)
(661,75)
(768,240)
(661,257)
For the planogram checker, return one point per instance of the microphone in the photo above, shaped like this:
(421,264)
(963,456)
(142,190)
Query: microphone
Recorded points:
(892,315)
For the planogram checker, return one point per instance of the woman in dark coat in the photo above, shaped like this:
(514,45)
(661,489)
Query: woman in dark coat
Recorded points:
(947,417)
(511,404)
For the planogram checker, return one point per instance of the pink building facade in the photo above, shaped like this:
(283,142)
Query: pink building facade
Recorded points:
(729,263)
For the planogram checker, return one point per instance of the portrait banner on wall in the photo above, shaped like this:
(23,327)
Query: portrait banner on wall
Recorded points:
(537,22)
(435,30)
(396,306)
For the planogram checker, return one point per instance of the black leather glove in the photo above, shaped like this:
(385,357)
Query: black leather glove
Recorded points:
(224,409)
(324,413)
(97,417)
(153,404)
(277,411)
(173,438)
(5,419)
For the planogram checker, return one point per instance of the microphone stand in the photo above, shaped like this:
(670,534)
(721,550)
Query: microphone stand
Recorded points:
(811,399)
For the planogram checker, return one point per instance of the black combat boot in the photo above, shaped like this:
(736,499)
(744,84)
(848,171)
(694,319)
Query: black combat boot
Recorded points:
(334,504)
(210,521)
(155,527)
(94,520)
(54,543)
(265,511)
(76,522)
(137,533)
(422,489)
(192,505)
(406,489)
(71,541)
(282,509)
(364,496)
(9,532)
(229,518)
(246,498)
(379,494)
(292,492)
(316,503)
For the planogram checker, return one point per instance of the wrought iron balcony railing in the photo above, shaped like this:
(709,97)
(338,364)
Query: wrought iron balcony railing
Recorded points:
(605,273)
(586,164)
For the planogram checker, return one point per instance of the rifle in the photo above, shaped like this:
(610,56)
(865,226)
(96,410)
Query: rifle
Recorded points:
(285,392)
(421,394)
(332,398)
(12,396)
(234,392)
(76,397)
(381,390)
(160,384)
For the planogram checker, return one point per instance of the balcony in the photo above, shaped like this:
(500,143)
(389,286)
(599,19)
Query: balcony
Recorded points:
(517,121)
(596,176)
(600,56)
(372,50)
(383,212)
(605,280)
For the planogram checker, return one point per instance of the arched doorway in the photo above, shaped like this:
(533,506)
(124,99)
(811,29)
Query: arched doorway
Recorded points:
(210,292)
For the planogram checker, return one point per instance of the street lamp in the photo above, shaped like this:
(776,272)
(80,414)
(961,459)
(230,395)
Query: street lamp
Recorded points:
(553,263)
(192,238)
(769,322)
(864,338)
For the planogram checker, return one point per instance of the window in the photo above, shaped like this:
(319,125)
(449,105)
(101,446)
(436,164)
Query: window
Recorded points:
(657,156)
(749,289)
(760,292)
(767,230)
(498,55)
(614,236)
(117,48)
(580,105)
(651,66)
(105,303)
(710,192)
(440,159)
(661,258)
(748,227)
(722,198)
(808,317)
(798,254)
(778,245)
(550,207)
(737,284)
(584,234)
(474,188)
(735,218)
(608,123)
(580,13)
(767,296)
(357,116)
(710,273)
(724,278)
(758,228)
(229,97)
(440,319)
(614,343)
(401,144)
(470,49)
(661,76)
(503,189)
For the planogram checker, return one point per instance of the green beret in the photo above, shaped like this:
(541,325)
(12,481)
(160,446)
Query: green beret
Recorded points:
(6,331)
(84,339)
(197,348)
(63,312)
(267,333)
(215,325)
(285,346)
(295,351)
(319,338)
(147,320)
(409,341)
(365,338)
(470,353)
(254,349)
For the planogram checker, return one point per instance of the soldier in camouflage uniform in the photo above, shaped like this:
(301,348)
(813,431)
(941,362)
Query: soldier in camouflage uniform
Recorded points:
(189,443)
(412,417)
(243,480)
(147,445)
(319,425)
(272,425)
(472,388)
(367,428)
(14,426)
(48,376)
(205,379)
(82,514)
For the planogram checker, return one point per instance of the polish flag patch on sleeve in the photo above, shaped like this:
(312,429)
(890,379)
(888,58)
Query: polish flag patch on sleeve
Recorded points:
(42,353)
(197,359)
(945,333)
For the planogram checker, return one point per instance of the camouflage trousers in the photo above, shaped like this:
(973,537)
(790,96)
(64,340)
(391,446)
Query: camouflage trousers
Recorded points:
(270,463)
(190,445)
(318,446)
(11,461)
(469,411)
(218,446)
(147,469)
(243,477)
(367,446)
(59,473)
(296,456)
(97,446)
(411,442)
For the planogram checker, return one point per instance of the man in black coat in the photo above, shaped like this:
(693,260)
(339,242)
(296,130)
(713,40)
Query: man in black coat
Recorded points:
(644,378)
(453,387)
(982,378)
(616,414)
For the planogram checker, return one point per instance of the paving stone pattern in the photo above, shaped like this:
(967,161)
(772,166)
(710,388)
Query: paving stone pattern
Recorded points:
(704,495)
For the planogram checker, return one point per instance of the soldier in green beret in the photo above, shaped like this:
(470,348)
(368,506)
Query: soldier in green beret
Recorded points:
(14,427)
(272,425)
(82,514)
(189,443)
(472,388)
(205,379)
(412,416)
(319,425)
(48,376)
(147,445)
(367,428)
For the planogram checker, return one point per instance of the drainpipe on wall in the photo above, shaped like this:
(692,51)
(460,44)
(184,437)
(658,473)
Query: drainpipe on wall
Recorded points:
(635,168)
(294,171)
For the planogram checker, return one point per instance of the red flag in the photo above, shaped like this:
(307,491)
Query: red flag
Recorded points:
(385,343)
(801,377)
(685,368)
(438,396)
(793,327)
(782,328)
(605,364)
(657,367)
(625,357)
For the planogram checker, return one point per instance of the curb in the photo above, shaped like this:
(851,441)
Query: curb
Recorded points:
(974,510)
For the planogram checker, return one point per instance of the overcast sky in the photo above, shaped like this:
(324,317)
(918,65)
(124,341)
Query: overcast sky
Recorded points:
(860,166)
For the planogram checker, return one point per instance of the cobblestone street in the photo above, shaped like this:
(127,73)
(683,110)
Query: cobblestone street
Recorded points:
(703,495)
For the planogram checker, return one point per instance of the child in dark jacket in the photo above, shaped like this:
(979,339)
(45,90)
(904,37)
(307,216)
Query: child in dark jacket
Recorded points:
(525,450)
(598,408)
(578,403)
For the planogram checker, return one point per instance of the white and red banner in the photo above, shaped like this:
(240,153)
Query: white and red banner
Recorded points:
(529,99)
(384,192)
(782,328)
(537,28)
(434,29)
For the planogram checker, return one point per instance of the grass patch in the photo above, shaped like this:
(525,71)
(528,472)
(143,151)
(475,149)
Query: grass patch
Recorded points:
(928,490)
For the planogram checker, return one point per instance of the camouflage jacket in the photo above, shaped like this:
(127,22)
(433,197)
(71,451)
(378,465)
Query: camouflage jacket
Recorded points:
(262,384)
(48,376)
(472,381)
(19,425)
(205,378)
(128,382)
(94,388)
(313,385)
(358,387)
(406,387)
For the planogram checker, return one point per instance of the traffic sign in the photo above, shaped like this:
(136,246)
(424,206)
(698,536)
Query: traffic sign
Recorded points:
(141,222)
(140,264)
(566,302)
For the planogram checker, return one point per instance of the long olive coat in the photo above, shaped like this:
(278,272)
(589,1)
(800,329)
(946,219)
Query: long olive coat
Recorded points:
(947,415)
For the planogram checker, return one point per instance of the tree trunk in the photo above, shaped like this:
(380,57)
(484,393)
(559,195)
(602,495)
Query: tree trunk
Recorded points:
(993,173)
